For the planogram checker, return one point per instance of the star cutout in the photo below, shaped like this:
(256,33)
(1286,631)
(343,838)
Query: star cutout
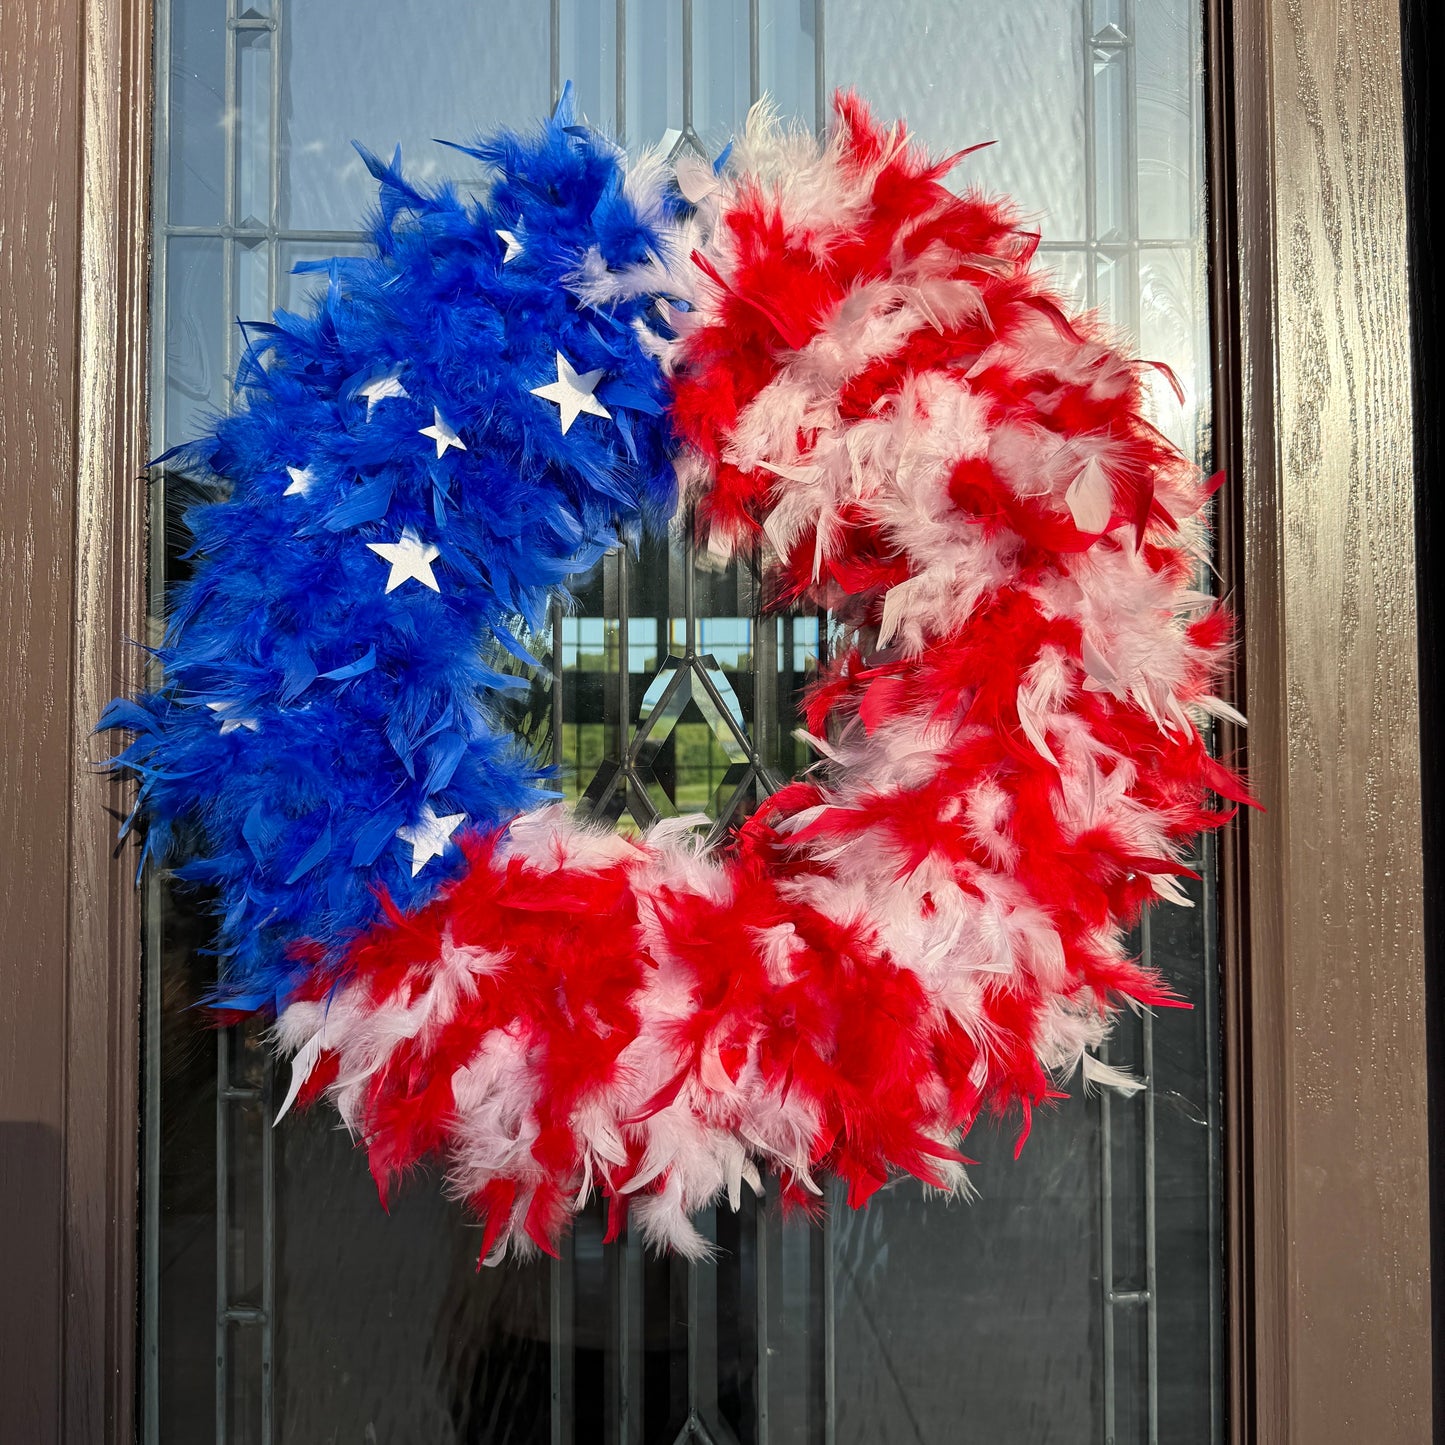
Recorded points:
(514,246)
(379,388)
(301,479)
(410,558)
(573,393)
(429,837)
(442,434)
(230,724)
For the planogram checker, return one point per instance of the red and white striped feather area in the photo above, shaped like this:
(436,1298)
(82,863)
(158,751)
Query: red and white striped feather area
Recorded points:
(875,382)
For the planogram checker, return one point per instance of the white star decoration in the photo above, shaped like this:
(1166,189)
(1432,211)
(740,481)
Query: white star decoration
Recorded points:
(442,434)
(379,388)
(514,246)
(573,393)
(229,724)
(301,479)
(410,558)
(429,836)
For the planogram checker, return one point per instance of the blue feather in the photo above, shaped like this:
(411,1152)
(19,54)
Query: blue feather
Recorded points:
(307,713)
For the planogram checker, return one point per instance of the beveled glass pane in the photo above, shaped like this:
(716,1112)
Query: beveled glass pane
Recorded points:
(787,48)
(587,55)
(742,1335)
(1188,1225)
(183,1192)
(981,1318)
(253,129)
(407,1344)
(1128,1410)
(1071,274)
(197,124)
(653,103)
(1112,97)
(1171,299)
(196,335)
(244,1414)
(719,65)
(251,263)
(1167,57)
(1129,1128)
(245,1203)
(1116,284)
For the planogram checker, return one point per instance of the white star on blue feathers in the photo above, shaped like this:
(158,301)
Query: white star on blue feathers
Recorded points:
(442,434)
(410,559)
(429,836)
(381,388)
(573,393)
(301,480)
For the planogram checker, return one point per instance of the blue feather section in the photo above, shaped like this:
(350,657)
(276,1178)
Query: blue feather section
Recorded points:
(308,713)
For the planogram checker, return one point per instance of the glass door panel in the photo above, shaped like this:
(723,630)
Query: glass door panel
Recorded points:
(1077,1299)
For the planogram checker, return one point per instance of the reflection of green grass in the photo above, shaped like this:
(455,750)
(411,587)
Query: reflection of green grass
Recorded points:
(583,748)
(694,797)
(698,767)
(731,658)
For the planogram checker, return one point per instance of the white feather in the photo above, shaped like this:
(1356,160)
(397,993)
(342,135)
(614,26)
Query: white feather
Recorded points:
(302,1063)
(1099,1075)
(1090,498)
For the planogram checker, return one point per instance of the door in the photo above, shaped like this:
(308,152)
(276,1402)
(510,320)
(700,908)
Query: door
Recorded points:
(1079,1298)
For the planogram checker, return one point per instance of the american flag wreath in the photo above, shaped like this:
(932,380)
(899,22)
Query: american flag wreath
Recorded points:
(818,349)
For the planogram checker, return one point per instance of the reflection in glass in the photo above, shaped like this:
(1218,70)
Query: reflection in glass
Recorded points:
(693,722)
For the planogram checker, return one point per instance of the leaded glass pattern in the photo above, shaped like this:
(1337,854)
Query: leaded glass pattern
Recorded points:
(699,718)
(1078,1298)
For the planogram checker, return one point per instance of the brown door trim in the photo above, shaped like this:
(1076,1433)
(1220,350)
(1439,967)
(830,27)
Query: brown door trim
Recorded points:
(1324,993)
(1220,81)
(103,1023)
(75,117)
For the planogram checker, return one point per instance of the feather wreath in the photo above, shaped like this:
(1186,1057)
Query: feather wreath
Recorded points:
(468,414)
(872,377)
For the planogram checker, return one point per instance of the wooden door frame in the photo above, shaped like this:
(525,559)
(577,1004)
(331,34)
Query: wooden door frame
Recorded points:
(75,124)
(1328,1177)
(1327,1189)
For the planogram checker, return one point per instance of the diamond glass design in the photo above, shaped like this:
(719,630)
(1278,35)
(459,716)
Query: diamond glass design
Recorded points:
(699,719)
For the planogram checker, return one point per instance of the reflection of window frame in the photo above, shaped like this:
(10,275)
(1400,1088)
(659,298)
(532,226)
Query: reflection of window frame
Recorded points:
(1326,1188)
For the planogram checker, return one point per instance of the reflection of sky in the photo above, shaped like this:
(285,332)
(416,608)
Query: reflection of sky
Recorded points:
(587,641)
(907,60)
